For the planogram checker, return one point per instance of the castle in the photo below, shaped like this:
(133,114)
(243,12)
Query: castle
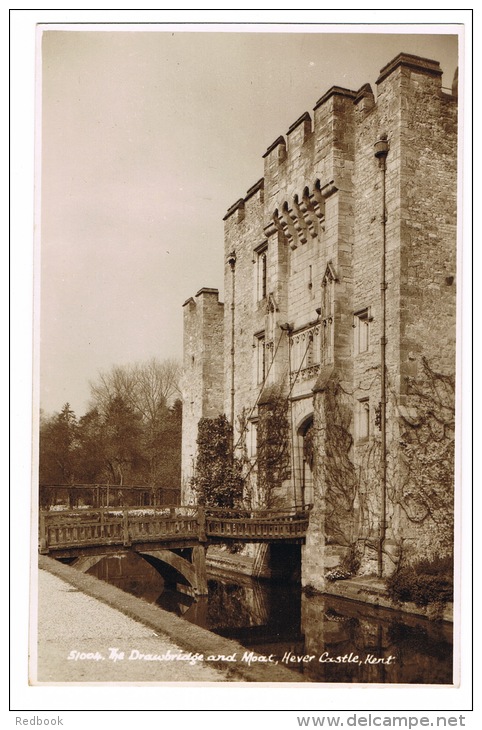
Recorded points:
(333,356)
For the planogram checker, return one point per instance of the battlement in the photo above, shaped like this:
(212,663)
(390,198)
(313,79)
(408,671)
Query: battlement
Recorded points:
(204,290)
(255,193)
(414,63)
(334,91)
(302,129)
(326,139)
(257,188)
(280,141)
(238,207)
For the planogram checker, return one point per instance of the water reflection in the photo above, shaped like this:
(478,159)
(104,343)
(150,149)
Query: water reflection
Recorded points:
(392,647)
(348,641)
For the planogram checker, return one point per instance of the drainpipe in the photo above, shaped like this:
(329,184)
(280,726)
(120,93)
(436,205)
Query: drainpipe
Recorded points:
(232,264)
(381,152)
(287,327)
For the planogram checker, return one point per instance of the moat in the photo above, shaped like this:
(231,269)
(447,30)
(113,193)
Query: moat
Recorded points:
(323,638)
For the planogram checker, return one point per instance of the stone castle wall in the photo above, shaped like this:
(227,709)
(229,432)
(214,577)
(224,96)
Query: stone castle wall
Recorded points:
(308,325)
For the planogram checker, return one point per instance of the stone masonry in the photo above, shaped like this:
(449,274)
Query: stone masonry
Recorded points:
(203,373)
(311,327)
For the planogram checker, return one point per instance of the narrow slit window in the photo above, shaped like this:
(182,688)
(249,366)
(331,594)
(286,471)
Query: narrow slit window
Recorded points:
(363,419)
(260,352)
(362,331)
(262,274)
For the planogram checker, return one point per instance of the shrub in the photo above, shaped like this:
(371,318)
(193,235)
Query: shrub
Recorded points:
(351,561)
(338,574)
(218,481)
(424,582)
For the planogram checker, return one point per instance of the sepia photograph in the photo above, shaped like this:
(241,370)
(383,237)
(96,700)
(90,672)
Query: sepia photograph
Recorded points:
(247,350)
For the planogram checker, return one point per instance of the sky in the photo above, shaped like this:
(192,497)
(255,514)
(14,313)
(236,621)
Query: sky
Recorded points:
(146,137)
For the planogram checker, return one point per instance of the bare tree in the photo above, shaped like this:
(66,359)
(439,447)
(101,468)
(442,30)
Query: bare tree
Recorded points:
(118,382)
(150,393)
(148,388)
(156,387)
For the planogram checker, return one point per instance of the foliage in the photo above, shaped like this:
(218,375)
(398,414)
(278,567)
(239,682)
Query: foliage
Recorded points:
(273,446)
(420,469)
(423,582)
(122,430)
(148,388)
(130,435)
(58,442)
(309,446)
(348,567)
(165,468)
(91,448)
(351,561)
(217,481)
(338,574)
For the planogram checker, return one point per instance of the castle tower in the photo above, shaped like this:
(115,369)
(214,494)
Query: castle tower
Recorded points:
(339,279)
(202,382)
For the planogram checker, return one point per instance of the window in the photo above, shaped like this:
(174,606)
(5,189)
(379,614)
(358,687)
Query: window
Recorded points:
(260,347)
(261,273)
(252,439)
(363,419)
(362,330)
(328,312)
(305,351)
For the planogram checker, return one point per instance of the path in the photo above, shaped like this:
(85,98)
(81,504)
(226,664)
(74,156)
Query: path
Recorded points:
(84,618)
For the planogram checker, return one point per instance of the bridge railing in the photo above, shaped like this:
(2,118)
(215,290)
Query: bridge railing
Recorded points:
(124,526)
(256,525)
(107,526)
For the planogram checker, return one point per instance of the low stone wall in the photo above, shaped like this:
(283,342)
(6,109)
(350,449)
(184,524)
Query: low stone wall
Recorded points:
(372,591)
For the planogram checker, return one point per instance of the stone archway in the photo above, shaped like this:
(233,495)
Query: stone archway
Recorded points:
(185,567)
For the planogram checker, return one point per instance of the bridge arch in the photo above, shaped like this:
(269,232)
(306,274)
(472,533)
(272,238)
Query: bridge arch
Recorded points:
(180,570)
(186,570)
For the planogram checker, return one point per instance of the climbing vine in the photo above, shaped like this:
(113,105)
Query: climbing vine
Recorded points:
(338,471)
(419,474)
(246,465)
(425,491)
(273,446)
(218,478)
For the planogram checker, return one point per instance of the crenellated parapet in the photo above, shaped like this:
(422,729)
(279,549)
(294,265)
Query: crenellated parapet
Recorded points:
(324,143)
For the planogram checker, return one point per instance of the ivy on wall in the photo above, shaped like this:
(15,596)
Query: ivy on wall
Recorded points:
(218,481)
(339,475)
(426,484)
(274,463)
(420,472)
